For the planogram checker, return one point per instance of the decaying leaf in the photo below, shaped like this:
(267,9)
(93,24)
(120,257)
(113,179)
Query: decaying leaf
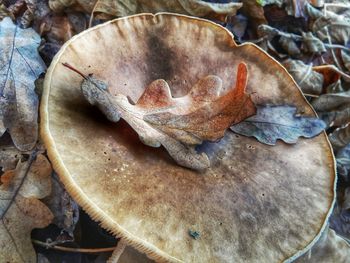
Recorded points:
(332,101)
(309,43)
(340,137)
(9,157)
(21,211)
(57,28)
(329,248)
(278,122)
(343,167)
(118,8)
(331,74)
(289,45)
(312,44)
(4,12)
(63,207)
(309,81)
(332,24)
(11,8)
(293,8)
(340,219)
(336,118)
(255,14)
(346,59)
(20,66)
(178,124)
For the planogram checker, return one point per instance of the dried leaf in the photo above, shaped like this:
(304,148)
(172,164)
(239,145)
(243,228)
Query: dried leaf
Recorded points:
(343,167)
(310,82)
(107,8)
(329,248)
(38,181)
(178,124)
(312,44)
(21,211)
(293,8)
(39,9)
(255,14)
(63,207)
(9,157)
(289,45)
(21,65)
(331,74)
(278,122)
(335,87)
(340,219)
(331,26)
(57,28)
(340,137)
(336,118)
(346,59)
(4,12)
(26,19)
(317,3)
(332,101)
(237,25)
(279,3)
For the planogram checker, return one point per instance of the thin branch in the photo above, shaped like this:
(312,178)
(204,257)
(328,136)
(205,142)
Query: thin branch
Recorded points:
(92,13)
(335,46)
(311,95)
(71,249)
(119,249)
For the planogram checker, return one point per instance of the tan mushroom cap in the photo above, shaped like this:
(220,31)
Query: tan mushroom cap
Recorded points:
(256,203)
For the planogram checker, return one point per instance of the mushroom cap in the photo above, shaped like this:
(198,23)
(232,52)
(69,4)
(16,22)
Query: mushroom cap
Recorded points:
(255,203)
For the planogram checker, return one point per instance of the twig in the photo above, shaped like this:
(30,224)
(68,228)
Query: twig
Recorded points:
(333,68)
(119,249)
(92,13)
(71,249)
(335,46)
(311,95)
(332,51)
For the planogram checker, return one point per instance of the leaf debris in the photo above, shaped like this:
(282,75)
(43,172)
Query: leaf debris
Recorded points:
(279,122)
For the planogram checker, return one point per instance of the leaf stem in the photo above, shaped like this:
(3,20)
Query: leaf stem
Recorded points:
(74,69)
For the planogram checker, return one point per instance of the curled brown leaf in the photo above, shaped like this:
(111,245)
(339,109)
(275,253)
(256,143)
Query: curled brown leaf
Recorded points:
(179,124)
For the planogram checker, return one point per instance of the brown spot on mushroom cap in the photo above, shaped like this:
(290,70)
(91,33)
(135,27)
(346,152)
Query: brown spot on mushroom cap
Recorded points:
(256,203)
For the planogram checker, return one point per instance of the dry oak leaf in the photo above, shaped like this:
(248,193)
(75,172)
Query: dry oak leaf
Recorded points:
(279,122)
(20,67)
(20,209)
(120,8)
(179,124)
(309,81)
(63,207)
(9,157)
(332,101)
(340,137)
(332,24)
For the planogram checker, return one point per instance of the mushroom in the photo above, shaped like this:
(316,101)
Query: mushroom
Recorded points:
(255,202)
